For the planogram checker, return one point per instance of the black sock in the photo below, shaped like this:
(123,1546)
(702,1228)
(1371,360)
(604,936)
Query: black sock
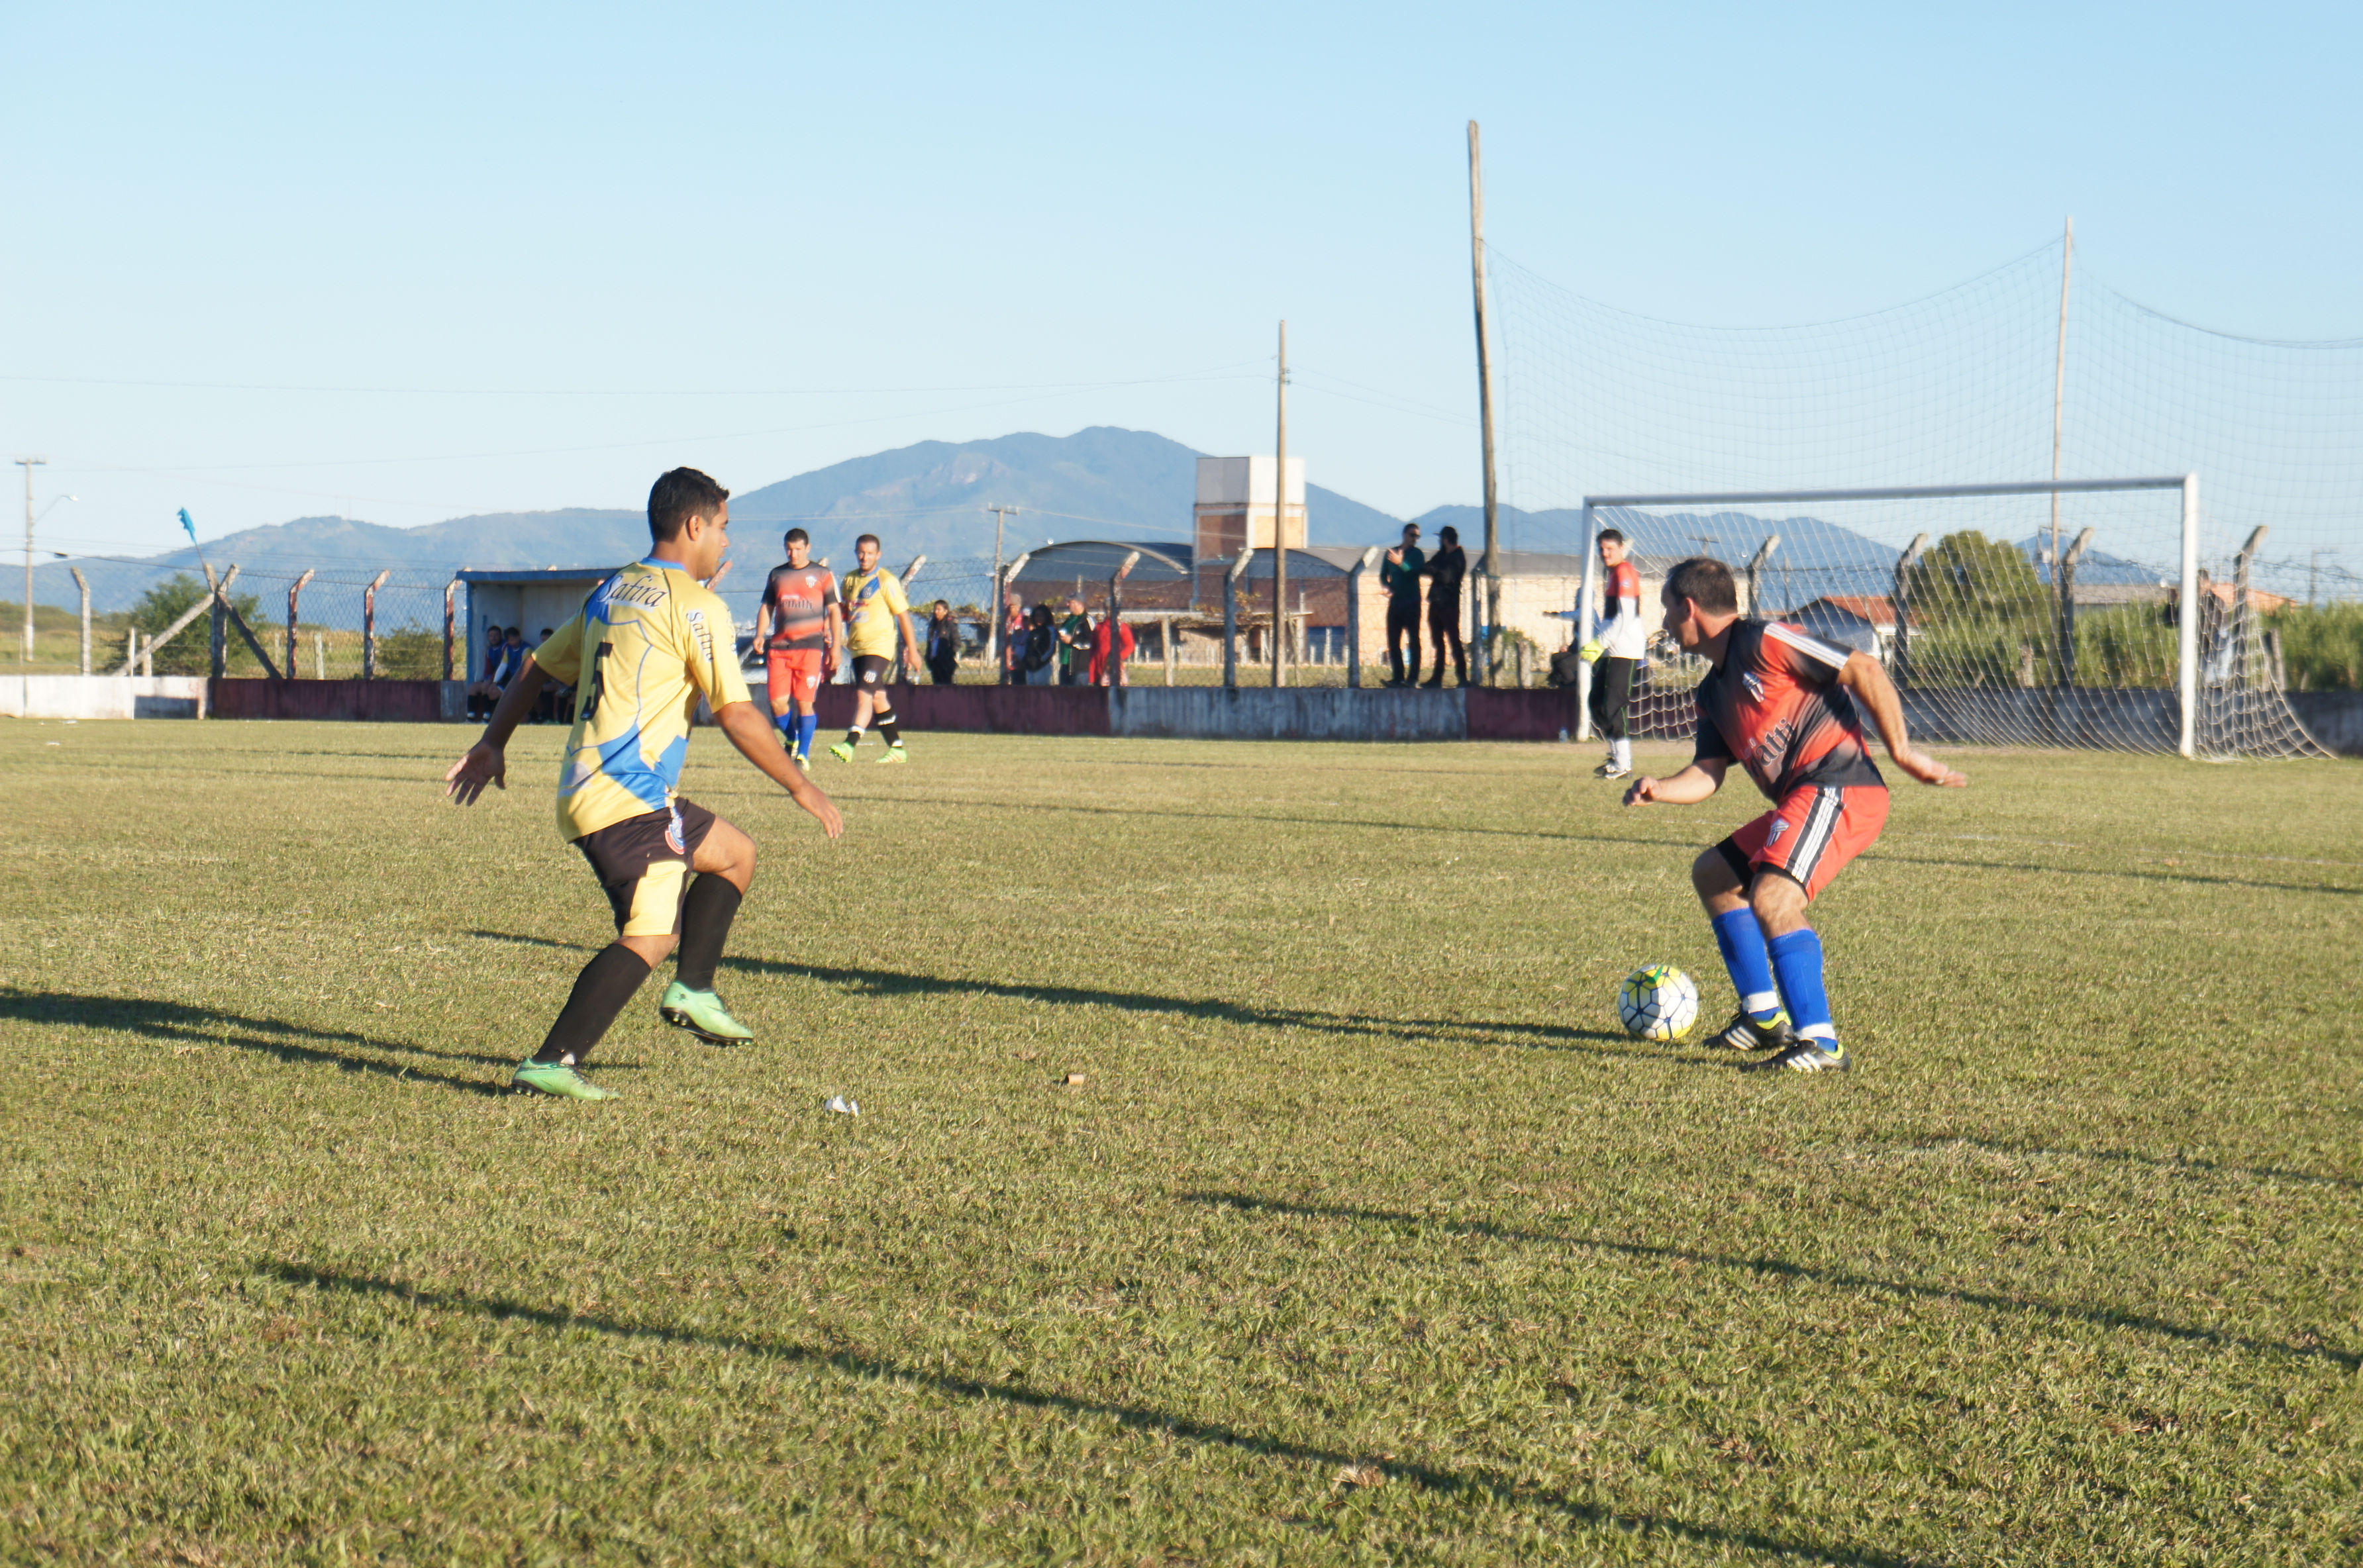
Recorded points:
(606,984)
(886,730)
(705,917)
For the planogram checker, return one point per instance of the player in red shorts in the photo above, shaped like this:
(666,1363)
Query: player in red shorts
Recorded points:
(801,627)
(1782,704)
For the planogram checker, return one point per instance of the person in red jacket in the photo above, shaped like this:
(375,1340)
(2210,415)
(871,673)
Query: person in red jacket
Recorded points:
(1112,645)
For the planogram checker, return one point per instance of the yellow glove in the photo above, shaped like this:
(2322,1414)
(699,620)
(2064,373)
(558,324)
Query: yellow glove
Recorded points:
(1590,652)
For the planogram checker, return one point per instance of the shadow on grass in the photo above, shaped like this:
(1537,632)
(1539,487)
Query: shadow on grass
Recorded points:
(2157,1162)
(211,1026)
(2104,1317)
(1476,1485)
(1473,1031)
(1447,829)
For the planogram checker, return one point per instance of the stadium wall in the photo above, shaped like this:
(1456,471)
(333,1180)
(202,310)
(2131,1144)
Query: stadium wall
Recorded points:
(382,702)
(103,697)
(1216,713)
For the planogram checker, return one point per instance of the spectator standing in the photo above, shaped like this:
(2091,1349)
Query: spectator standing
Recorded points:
(943,644)
(1400,577)
(1074,644)
(1112,645)
(1013,642)
(1042,650)
(1447,570)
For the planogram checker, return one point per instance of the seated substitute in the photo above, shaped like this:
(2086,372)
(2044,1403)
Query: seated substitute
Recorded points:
(1782,704)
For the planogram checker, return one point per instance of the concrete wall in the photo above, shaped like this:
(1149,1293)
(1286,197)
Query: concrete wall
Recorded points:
(1291,714)
(2334,717)
(103,696)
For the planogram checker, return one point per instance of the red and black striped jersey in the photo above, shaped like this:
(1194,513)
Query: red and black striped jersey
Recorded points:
(795,607)
(1776,708)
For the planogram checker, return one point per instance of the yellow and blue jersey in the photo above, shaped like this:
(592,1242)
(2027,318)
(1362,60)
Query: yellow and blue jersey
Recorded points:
(873,600)
(647,645)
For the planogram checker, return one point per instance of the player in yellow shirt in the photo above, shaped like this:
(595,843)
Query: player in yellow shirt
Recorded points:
(647,647)
(875,613)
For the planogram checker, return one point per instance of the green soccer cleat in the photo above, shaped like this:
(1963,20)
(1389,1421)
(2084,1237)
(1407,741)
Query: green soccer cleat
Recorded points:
(842,751)
(802,760)
(1805,1054)
(895,754)
(703,1015)
(558,1079)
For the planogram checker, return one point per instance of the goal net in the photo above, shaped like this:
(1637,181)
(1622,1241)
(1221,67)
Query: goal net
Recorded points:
(1880,481)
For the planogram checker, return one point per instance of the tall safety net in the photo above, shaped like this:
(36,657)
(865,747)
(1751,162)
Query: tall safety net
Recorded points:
(2007,619)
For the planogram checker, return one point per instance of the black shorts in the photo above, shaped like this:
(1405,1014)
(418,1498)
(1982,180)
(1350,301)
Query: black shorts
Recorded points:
(643,863)
(871,670)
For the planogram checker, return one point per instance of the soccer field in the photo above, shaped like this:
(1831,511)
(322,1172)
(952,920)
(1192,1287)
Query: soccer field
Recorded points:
(1365,1236)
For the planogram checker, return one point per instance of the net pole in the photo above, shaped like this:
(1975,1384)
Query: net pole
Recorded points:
(2059,425)
(1588,596)
(1493,601)
(2187,629)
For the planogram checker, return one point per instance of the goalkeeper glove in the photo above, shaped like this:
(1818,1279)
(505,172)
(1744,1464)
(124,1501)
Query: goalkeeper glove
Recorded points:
(1590,652)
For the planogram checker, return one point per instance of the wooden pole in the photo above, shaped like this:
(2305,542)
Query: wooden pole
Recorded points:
(295,591)
(1477,651)
(2058,427)
(1279,530)
(368,624)
(992,642)
(1231,615)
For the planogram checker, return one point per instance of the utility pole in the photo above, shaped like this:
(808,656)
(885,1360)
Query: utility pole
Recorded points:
(1279,531)
(2059,413)
(1492,599)
(992,611)
(2313,571)
(28,465)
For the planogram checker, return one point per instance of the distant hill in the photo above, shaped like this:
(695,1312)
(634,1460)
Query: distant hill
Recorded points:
(935,497)
(932,498)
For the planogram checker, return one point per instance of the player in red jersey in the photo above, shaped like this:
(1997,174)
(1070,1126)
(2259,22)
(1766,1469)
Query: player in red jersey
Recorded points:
(801,627)
(1782,704)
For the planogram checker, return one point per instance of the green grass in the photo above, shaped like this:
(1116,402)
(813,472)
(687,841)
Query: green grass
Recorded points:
(1366,1238)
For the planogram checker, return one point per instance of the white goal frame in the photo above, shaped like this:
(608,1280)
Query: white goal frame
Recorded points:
(2187,631)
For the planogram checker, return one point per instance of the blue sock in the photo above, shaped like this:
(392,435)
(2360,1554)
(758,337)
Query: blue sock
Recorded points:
(787,723)
(807,727)
(1797,959)
(1750,967)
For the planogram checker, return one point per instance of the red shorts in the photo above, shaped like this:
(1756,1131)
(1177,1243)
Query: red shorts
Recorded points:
(1811,836)
(795,672)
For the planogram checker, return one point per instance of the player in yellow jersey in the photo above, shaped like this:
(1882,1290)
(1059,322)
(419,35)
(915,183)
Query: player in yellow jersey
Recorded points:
(875,613)
(648,645)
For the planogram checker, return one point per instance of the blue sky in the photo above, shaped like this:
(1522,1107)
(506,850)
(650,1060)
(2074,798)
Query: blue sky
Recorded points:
(401,263)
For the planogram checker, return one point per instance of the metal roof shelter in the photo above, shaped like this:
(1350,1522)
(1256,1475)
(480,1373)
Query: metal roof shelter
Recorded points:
(527,600)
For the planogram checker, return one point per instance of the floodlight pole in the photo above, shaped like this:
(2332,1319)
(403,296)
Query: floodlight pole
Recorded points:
(1493,592)
(2058,413)
(28,465)
(1279,531)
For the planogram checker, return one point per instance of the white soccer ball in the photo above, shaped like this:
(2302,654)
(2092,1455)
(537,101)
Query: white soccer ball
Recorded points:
(1660,1003)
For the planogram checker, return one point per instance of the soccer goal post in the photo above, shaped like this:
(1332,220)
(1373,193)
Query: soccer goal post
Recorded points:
(2108,636)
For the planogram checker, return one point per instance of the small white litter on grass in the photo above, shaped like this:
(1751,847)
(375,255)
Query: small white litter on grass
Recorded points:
(843,1106)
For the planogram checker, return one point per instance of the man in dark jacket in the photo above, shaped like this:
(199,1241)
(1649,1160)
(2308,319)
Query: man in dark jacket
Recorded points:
(1446,570)
(1400,577)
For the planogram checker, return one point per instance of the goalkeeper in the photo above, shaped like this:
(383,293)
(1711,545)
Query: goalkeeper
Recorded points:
(1782,704)
(1618,644)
